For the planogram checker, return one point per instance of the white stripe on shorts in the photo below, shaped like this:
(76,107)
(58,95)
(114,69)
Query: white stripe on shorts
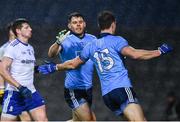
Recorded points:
(6,102)
(74,100)
(129,94)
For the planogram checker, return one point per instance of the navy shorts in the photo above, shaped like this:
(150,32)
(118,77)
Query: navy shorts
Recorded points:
(118,99)
(15,104)
(77,97)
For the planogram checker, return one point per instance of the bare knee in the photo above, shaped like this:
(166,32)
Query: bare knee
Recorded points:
(25,116)
(7,117)
(39,114)
(133,112)
(82,117)
(84,113)
(41,117)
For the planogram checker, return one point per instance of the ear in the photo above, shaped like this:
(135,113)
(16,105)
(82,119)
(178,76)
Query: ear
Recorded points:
(18,31)
(69,26)
(113,25)
(85,24)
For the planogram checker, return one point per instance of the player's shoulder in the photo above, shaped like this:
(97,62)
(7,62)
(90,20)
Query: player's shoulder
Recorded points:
(5,45)
(14,43)
(120,37)
(69,37)
(90,35)
(30,45)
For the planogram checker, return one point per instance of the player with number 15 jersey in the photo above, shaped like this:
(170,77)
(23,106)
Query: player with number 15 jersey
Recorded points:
(105,53)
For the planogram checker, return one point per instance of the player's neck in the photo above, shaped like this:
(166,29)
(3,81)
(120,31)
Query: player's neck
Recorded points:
(22,39)
(79,35)
(11,39)
(107,31)
(110,30)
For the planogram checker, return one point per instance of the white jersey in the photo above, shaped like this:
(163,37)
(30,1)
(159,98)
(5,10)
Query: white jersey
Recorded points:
(3,48)
(22,67)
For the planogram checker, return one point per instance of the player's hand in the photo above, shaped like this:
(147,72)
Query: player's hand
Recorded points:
(47,68)
(61,36)
(165,48)
(24,91)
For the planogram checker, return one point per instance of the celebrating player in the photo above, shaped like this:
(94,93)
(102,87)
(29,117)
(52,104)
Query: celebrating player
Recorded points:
(107,54)
(78,82)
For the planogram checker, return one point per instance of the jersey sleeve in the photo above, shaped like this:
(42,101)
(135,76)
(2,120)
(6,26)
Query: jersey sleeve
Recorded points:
(1,52)
(120,44)
(85,53)
(10,52)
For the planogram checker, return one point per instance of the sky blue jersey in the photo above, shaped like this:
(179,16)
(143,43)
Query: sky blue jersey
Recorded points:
(105,53)
(80,78)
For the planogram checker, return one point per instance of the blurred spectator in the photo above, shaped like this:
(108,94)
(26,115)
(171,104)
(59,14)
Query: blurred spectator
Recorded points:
(178,110)
(172,110)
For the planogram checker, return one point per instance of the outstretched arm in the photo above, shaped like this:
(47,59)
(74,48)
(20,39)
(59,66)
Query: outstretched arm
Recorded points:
(70,64)
(52,67)
(142,54)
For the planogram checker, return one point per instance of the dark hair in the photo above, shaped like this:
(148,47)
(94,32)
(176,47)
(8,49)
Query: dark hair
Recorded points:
(9,26)
(105,19)
(17,24)
(74,14)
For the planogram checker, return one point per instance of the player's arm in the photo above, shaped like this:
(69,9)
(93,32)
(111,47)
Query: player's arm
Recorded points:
(70,64)
(4,66)
(56,47)
(145,54)
(139,53)
(6,63)
(54,50)
(52,67)
(2,87)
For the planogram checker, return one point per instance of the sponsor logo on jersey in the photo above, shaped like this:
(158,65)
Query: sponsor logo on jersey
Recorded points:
(27,61)
(28,51)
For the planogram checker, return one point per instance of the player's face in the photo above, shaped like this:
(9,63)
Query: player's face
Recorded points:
(77,25)
(26,31)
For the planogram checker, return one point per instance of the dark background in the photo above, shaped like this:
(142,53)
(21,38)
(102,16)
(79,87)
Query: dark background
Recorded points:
(144,23)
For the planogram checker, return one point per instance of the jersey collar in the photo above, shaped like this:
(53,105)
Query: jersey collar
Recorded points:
(104,34)
(77,35)
(26,44)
